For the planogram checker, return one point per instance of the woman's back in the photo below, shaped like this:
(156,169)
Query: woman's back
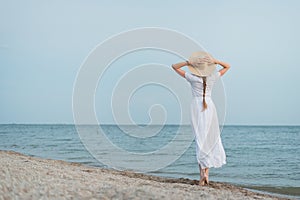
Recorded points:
(197,83)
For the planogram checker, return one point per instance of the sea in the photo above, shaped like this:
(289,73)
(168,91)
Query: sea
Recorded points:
(260,158)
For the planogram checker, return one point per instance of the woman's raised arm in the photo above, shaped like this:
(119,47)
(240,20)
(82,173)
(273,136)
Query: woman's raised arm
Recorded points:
(177,67)
(225,66)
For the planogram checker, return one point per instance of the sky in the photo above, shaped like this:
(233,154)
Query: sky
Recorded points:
(44,43)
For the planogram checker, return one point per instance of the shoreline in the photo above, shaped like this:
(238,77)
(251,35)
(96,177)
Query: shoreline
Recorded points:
(28,177)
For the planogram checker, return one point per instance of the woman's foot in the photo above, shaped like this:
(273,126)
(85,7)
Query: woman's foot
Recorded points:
(204,178)
(206,181)
(202,181)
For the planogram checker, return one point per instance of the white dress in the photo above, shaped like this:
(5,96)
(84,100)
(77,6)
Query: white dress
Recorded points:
(205,124)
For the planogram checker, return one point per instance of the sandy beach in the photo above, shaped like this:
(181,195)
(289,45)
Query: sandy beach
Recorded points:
(26,177)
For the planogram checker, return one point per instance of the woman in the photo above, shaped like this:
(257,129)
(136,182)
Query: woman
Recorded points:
(204,120)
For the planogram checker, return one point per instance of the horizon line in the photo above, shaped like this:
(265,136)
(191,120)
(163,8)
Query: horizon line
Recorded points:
(146,124)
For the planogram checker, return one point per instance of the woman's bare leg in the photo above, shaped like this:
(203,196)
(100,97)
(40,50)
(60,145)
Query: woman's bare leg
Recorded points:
(203,176)
(207,174)
(207,171)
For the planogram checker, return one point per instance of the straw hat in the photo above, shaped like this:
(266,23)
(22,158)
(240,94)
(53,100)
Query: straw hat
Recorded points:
(201,64)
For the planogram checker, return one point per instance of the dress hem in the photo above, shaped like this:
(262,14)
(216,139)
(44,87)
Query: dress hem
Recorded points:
(213,166)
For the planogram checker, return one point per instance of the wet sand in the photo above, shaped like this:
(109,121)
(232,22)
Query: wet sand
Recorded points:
(26,177)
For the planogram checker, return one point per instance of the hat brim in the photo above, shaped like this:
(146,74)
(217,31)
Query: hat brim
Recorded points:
(205,72)
(201,69)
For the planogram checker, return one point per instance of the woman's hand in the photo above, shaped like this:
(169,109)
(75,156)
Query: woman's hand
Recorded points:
(198,61)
